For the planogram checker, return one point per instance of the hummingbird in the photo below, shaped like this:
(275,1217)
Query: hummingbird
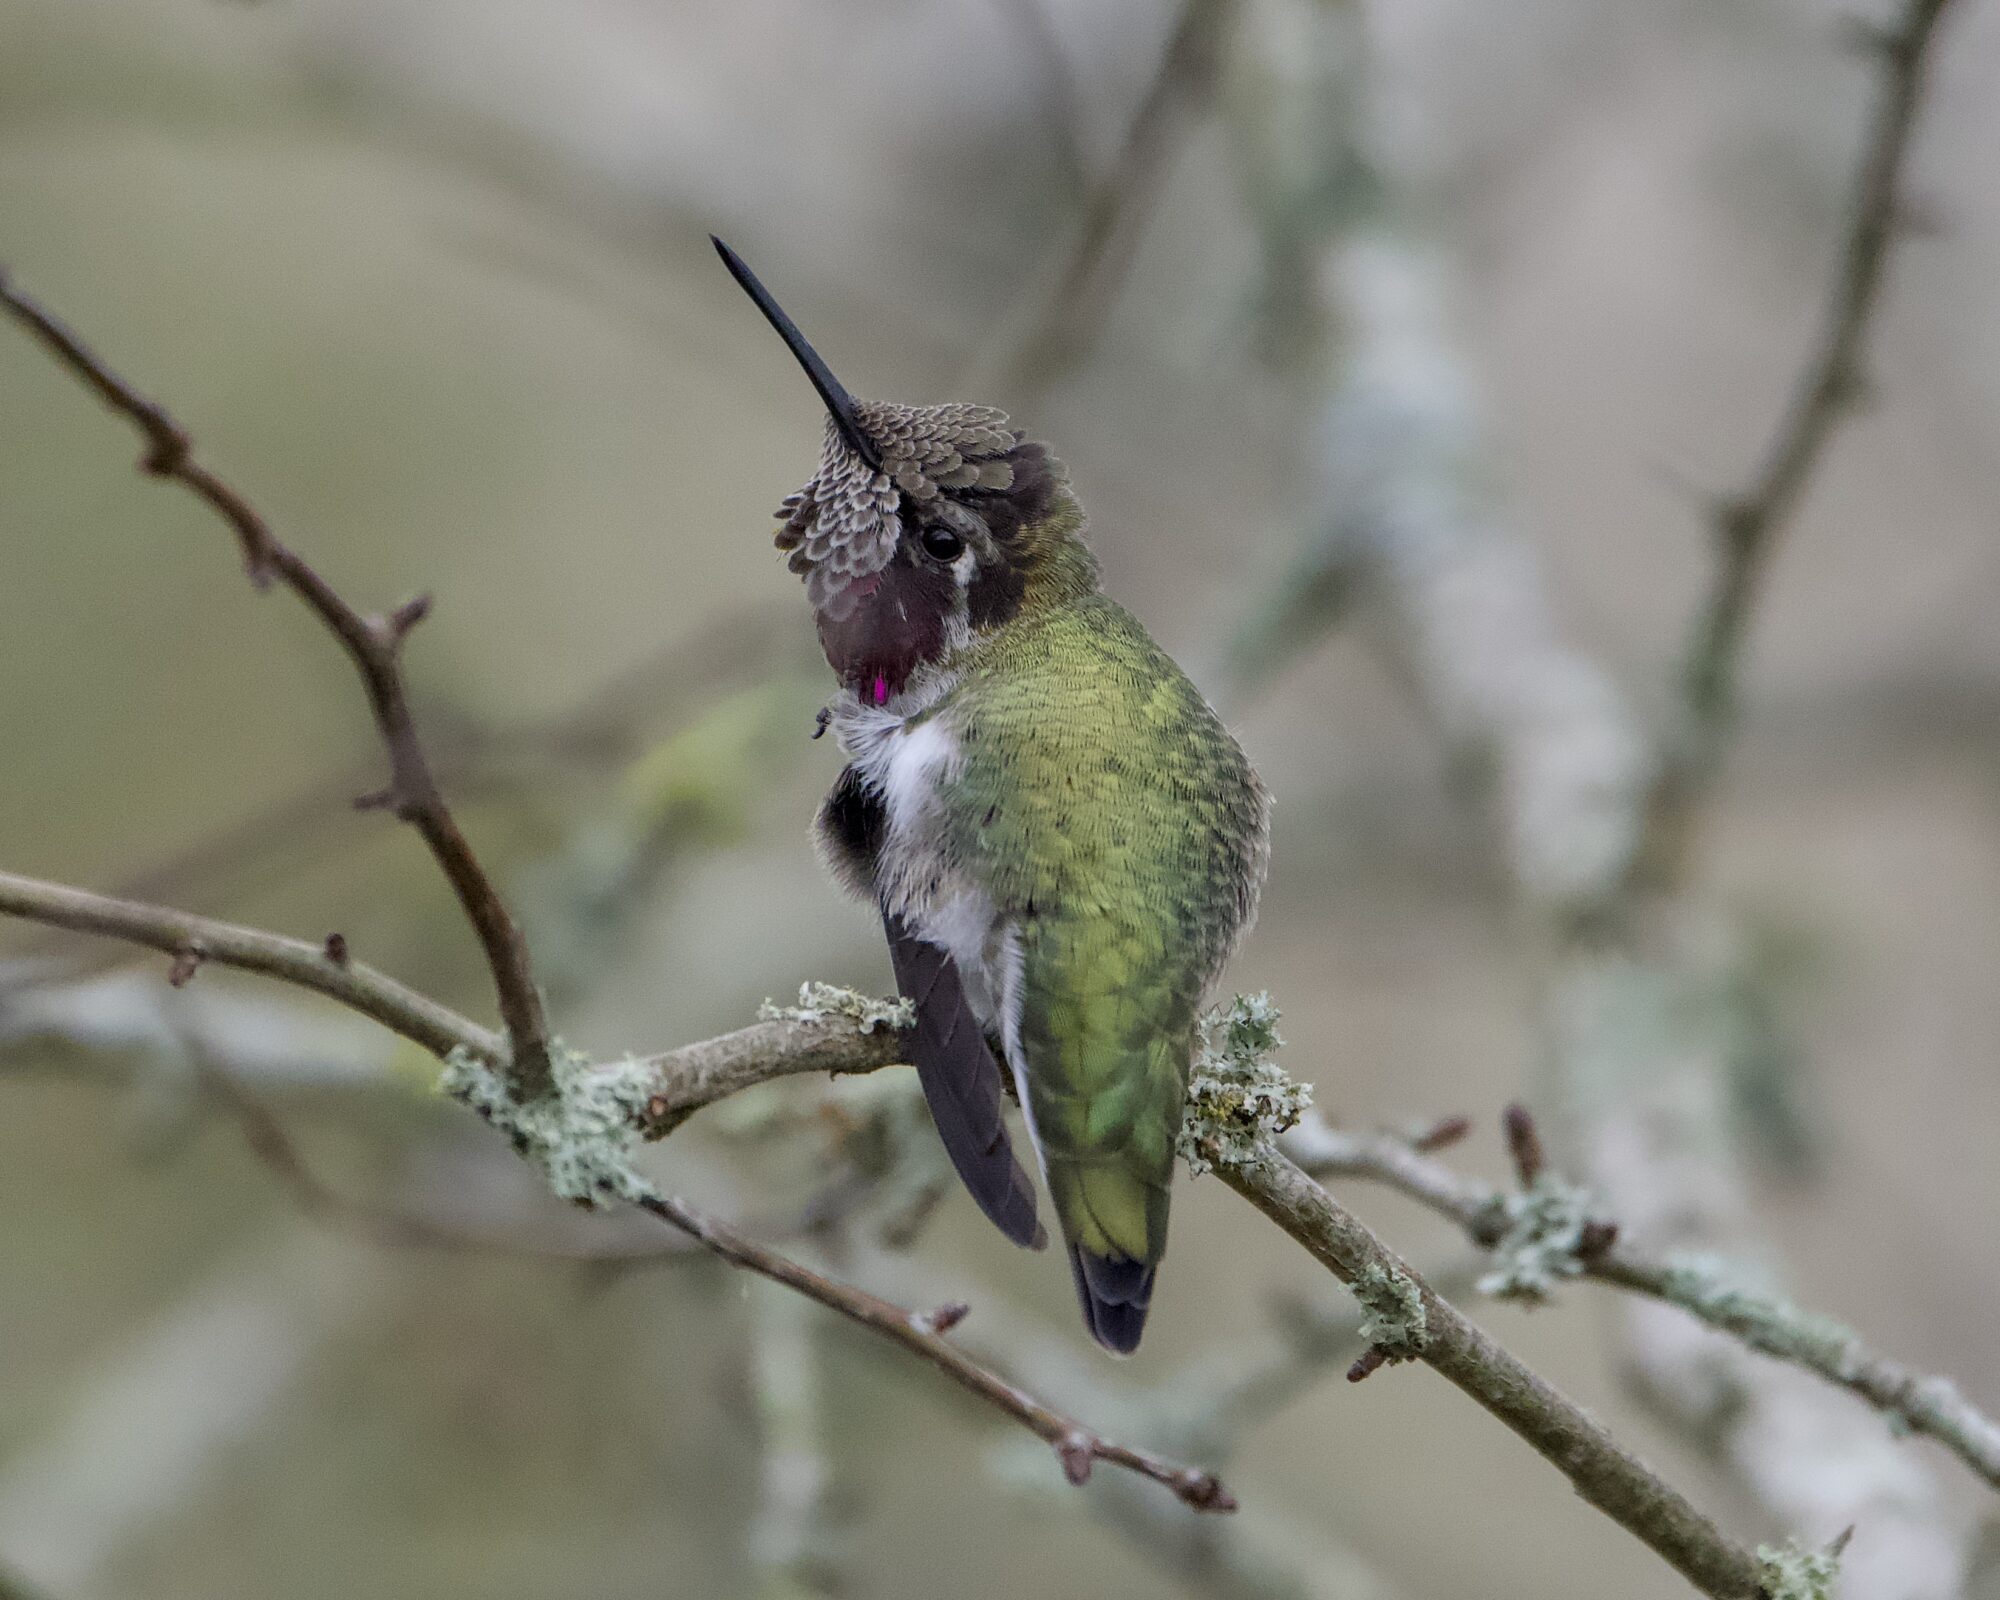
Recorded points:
(1063,841)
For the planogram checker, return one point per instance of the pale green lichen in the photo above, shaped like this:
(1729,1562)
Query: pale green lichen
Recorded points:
(1543,1242)
(1238,1098)
(819,1002)
(1789,1573)
(582,1135)
(1394,1320)
(1722,1294)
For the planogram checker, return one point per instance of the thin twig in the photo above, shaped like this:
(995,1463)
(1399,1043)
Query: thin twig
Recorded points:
(1924,1404)
(374,644)
(1058,85)
(1749,522)
(300,962)
(1076,1446)
(1603,1471)
(1116,209)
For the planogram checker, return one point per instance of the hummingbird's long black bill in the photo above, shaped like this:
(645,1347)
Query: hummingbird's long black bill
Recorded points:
(839,403)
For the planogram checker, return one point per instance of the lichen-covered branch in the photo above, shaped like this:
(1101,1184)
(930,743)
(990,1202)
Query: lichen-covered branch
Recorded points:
(1534,1256)
(831,1030)
(1435,1332)
(1710,1290)
(1241,1104)
(843,1032)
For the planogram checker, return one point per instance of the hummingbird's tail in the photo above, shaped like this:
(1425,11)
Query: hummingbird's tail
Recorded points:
(1100,1045)
(1115,1292)
(1113,1212)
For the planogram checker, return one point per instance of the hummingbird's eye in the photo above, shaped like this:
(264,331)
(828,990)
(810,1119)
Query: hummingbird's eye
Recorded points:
(941,544)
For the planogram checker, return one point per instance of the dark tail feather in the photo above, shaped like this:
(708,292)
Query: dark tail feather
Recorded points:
(1115,1294)
(961,1083)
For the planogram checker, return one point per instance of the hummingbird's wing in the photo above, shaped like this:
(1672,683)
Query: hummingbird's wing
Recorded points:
(961,1083)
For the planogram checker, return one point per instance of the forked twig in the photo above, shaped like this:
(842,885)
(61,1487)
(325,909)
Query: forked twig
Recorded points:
(1749,522)
(374,645)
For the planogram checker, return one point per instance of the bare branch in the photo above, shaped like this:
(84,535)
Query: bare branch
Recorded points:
(1116,208)
(373,644)
(1923,1404)
(1058,85)
(1749,522)
(1077,1446)
(1603,1471)
(296,961)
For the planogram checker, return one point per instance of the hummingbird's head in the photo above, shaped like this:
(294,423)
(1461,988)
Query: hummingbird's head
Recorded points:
(924,526)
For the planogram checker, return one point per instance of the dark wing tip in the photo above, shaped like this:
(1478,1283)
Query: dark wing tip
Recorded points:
(1115,1293)
(961,1084)
(1014,1212)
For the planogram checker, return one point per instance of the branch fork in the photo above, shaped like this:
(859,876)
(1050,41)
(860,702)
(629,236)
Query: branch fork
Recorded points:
(579,1121)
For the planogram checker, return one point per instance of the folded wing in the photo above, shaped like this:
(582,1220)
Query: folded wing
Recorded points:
(961,1082)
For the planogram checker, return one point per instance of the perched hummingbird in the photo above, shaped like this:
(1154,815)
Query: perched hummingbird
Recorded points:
(1064,841)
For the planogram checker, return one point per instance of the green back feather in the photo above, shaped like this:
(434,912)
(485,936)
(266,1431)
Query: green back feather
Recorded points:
(1112,818)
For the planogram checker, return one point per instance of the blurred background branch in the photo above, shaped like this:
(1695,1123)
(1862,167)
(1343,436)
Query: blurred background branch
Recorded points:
(1749,522)
(1116,207)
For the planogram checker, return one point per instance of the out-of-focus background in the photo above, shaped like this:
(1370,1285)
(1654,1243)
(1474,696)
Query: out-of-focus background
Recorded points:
(431,282)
